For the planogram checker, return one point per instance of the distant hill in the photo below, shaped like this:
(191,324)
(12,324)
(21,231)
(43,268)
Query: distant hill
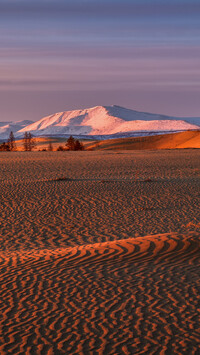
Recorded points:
(105,120)
(100,122)
(187,139)
(7,127)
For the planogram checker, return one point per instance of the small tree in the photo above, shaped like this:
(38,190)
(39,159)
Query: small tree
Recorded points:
(25,141)
(78,145)
(60,148)
(73,144)
(31,142)
(11,142)
(4,147)
(50,147)
(70,143)
(28,142)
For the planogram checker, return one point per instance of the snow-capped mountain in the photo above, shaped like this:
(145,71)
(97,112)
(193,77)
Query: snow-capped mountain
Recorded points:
(7,127)
(105,120)
(101,121)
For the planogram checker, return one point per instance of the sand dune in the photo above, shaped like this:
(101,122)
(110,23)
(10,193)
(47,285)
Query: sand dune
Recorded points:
(123,297)
(187,139)
(99,252)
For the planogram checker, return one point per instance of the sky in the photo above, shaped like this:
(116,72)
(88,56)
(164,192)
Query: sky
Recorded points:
(73,54)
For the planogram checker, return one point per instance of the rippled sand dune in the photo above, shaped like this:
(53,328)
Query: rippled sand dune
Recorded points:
(99,253)
(181,140)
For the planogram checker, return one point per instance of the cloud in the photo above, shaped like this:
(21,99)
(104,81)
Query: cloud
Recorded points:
(98,48)
(104,8)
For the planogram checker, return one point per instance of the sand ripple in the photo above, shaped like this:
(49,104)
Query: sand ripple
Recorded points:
(132,296)
(91,264)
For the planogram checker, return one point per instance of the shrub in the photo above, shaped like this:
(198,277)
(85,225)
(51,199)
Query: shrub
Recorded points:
(60,148)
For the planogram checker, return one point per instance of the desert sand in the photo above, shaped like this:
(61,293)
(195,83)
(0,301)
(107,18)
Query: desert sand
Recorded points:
(181,140)
(100,252)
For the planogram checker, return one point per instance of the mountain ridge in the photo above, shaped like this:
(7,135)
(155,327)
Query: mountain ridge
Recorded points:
(99,121)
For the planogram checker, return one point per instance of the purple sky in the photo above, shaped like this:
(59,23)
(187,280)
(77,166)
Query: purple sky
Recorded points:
(62,55)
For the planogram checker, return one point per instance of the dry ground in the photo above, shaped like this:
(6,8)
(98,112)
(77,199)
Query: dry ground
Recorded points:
(181,140)
(99,252)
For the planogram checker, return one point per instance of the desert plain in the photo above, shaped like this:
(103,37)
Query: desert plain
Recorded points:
(99,252)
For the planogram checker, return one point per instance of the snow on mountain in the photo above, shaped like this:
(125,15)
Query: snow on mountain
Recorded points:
(7,127)
(105,120)
(99,121)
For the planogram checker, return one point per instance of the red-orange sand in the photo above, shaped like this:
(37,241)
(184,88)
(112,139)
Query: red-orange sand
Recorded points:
(99,253)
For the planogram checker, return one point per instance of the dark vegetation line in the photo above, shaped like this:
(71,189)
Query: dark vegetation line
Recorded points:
(29,143)
(71,144)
